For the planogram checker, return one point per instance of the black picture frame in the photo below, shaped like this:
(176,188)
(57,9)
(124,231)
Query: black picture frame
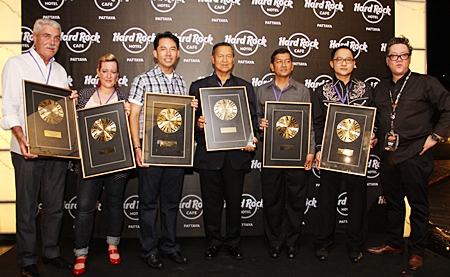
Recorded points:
(107,153)
(234,130)
(283,150)
(173,146)
(50,121)
(347,151)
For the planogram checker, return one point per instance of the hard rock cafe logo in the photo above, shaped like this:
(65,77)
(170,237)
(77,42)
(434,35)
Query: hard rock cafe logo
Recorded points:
(315,171)
(372,81)
(249,206)
(51,5)
(71,206)
(246,42)
(131,207)
(90,80)
(256,82)
(79,39)
(372,11)
(273,8)
(342,207)
(373,167)
(299,44)
(192,41)
(191,207)
(352,43)
(107,5)
(220,6)
(255,164)
(310,203)
(320,80)
(134,40)
(27,39)
(324,9)
(165,6)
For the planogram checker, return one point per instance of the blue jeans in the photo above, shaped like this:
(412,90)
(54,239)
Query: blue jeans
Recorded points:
(167,183)
(88,191)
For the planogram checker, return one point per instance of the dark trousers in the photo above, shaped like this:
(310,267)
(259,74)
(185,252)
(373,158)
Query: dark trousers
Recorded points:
(46,177)
(88,191)
(330,183)
(409,178)
(284,192)
(167,183)
(217,185)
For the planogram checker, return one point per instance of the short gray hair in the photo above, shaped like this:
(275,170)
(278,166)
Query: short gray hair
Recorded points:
(38,25)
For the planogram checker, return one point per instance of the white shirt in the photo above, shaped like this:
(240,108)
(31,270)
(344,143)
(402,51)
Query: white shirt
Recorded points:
(19,68)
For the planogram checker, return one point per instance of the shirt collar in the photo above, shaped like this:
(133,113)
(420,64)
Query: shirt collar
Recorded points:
(38,57)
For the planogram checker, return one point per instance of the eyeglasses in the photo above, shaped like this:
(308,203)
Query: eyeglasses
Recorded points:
(340,60)
(401,57)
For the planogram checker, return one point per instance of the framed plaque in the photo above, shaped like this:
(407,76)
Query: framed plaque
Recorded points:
(50,121)
(227,114)
(168,130)
(287,139)
(346,139)
(105,140)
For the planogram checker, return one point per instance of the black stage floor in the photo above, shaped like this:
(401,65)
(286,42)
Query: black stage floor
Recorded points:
(256,262)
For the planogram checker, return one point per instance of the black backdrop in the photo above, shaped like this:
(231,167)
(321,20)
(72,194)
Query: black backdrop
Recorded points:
(308,28)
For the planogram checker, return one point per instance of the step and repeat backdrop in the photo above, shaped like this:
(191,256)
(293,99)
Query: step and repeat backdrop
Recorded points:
(310,29)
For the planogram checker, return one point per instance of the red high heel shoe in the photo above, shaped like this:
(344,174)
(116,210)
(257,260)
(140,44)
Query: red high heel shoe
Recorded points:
(111,260)
(79,260)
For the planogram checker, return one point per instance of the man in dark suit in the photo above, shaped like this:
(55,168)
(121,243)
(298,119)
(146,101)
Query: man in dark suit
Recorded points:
(222,172)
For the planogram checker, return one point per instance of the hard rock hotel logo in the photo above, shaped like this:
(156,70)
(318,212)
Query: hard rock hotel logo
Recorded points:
(90,80)
(299,44)
(71,206)
(372,11)
(221,6)
(249,206)
(310,203)
(79,39)
(373,167)
(372,81)
(27,39)
(134,40)
(51,5)
(245,42)
(192,41)
(351,42)
(107,5)
(131,207)
(273,8)
(165,6)
(324,9)
(256,82)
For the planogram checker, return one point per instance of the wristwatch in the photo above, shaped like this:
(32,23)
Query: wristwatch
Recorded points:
(435,137)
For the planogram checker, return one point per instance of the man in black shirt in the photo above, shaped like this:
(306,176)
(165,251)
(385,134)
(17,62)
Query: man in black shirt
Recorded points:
(344,89)
(406,103)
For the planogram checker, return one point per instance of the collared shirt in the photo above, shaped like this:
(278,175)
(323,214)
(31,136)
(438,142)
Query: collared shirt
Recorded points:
(294,92)
(154,81)
(19,68)
(359,94)
(422,97)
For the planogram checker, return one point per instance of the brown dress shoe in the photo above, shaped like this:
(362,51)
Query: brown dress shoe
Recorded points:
(415,262)
(384,249)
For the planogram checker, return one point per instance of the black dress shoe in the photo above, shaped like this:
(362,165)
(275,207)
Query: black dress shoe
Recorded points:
(291,252)
(177,257)
(355,256)
(30,271)
(235,253)
(57,262)
(275,251)
(154,261)
(212,252)
(322,254)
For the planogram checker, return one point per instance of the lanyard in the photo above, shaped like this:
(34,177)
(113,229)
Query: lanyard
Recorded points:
(49,72)
(278,96)
(395,104)
(346,94)
(109,98)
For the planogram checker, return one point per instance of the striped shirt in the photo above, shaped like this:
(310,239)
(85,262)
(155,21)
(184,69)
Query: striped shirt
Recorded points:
(154,81)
